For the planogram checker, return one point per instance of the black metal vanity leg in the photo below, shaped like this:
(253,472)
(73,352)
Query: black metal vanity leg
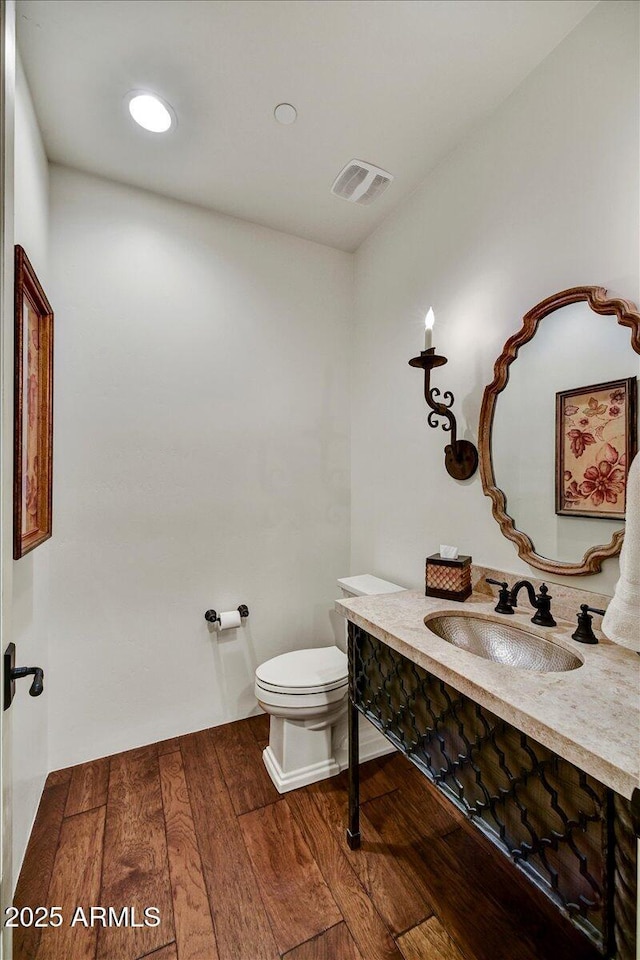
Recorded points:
(353,830)
(624,831)
(609,932)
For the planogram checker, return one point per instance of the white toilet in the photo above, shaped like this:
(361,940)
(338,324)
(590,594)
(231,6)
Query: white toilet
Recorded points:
(305,693)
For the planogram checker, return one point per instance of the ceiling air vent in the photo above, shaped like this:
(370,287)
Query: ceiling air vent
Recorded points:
(361,182)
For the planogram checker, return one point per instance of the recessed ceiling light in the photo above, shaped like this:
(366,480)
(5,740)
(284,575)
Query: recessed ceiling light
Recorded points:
(150,112)
(285,113)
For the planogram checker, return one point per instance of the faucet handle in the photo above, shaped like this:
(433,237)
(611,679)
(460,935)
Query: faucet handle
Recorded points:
(543,615)
(584,631)
(505,605)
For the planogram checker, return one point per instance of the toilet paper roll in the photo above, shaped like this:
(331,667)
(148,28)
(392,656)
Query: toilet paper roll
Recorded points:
(229,619)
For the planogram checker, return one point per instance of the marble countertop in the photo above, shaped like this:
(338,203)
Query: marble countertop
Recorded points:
(590,716)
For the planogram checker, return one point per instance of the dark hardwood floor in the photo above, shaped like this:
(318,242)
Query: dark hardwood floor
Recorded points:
(194,827)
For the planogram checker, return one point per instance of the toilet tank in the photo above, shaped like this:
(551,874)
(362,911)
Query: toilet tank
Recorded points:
(366,585)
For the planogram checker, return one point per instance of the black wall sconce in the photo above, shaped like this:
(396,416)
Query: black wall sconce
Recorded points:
(460,456)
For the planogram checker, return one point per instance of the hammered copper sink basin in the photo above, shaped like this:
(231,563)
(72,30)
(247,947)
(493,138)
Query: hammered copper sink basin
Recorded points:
(502,643)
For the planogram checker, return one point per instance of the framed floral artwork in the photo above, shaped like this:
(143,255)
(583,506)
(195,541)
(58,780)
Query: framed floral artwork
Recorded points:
(33,410)
(596,440)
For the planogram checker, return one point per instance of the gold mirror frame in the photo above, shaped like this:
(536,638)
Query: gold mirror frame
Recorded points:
(627,316)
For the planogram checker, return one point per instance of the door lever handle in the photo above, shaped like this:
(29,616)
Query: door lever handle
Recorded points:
(37,686)
(13,673)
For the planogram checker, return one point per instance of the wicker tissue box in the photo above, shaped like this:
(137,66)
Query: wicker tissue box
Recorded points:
(448,579)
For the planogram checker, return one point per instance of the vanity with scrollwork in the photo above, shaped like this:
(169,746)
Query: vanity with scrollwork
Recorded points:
(533,757)
(533,735)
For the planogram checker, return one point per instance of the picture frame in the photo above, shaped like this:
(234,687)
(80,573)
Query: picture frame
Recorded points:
(33,410)
(596,440)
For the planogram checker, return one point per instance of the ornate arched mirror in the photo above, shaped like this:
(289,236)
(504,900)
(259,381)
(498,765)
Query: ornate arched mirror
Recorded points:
(558,430)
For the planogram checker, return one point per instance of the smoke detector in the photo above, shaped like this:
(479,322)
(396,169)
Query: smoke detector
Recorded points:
(361,182)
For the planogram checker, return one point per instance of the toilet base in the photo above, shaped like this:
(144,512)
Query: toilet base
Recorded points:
(303,752)
(373,744)
(299,777)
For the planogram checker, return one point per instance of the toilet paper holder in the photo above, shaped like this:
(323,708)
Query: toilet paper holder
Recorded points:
(212,617)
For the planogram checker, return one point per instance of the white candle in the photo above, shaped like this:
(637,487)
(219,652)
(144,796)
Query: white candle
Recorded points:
(429,320)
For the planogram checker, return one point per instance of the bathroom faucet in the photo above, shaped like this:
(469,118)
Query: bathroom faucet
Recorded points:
(584,631)
(504,604)
(541,602)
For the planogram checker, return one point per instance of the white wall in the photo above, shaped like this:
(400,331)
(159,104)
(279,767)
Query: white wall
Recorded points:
(544,196)
(202,396)
(30,573)
(201,460)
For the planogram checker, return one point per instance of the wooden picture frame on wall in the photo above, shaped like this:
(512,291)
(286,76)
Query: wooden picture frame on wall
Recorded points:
(596,440)
(33,410)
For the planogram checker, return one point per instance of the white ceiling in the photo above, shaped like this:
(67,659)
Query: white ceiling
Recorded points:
(394,82)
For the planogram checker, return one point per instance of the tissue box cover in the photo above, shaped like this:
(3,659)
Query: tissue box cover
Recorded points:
(448,579)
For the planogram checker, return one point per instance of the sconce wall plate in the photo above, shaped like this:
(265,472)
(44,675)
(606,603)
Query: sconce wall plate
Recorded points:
(460,456)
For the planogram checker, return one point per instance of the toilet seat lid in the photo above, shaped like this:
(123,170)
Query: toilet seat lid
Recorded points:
(304,671)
